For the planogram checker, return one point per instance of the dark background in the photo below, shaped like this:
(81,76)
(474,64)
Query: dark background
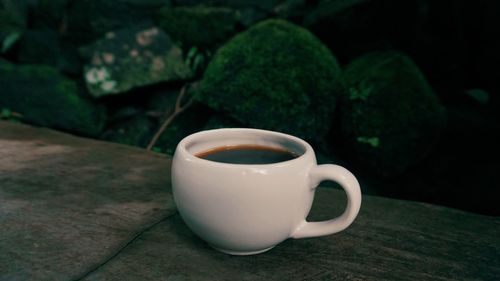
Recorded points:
(455,44)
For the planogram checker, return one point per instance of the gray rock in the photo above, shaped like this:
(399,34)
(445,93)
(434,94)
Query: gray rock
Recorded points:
(130,58)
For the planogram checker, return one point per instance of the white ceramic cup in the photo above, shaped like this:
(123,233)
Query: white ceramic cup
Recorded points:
(244,209)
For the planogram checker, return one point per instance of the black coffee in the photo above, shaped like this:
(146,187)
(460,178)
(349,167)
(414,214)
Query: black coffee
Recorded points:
(247,154)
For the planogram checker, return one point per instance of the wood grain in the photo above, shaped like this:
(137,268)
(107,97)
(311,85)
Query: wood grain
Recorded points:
(74,208)
(390,240)
(68,203)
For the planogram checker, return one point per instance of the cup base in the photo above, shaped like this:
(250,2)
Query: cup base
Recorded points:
(241,253)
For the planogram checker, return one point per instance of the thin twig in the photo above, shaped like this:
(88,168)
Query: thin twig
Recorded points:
(179,108)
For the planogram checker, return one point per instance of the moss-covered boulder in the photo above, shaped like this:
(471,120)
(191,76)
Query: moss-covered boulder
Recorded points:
(44,97)
(276,76)
(130,58)
(201,26)
(390,116)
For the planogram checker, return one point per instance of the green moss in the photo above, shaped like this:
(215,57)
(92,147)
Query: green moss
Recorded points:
(204,27)
(137,131)
(373,141)
(65,87)
(10,20)
(6,65)
(44,97)
(276,76)
(390,115)
(362,92)
(132,57)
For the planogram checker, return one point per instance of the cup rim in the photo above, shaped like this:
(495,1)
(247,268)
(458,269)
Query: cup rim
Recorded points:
(182,147)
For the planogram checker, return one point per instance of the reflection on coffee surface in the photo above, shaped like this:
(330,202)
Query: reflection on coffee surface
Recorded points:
(247,154)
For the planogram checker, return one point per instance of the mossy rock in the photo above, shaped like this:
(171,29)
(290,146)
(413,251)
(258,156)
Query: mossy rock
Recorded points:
(130,58)
(200,26)
(44,97)
(390,116)
(137,131)
(275,76)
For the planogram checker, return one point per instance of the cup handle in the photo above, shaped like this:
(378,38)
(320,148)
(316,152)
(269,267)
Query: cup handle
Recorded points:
(349,183)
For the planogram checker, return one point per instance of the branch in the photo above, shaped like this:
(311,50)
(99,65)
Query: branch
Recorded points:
(179,108)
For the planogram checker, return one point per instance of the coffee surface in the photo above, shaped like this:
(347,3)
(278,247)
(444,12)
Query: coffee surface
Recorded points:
(247,154)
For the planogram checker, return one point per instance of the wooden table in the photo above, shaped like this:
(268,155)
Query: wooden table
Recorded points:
(79,209)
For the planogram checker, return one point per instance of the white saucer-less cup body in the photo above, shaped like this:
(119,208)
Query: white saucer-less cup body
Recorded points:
(247,209)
